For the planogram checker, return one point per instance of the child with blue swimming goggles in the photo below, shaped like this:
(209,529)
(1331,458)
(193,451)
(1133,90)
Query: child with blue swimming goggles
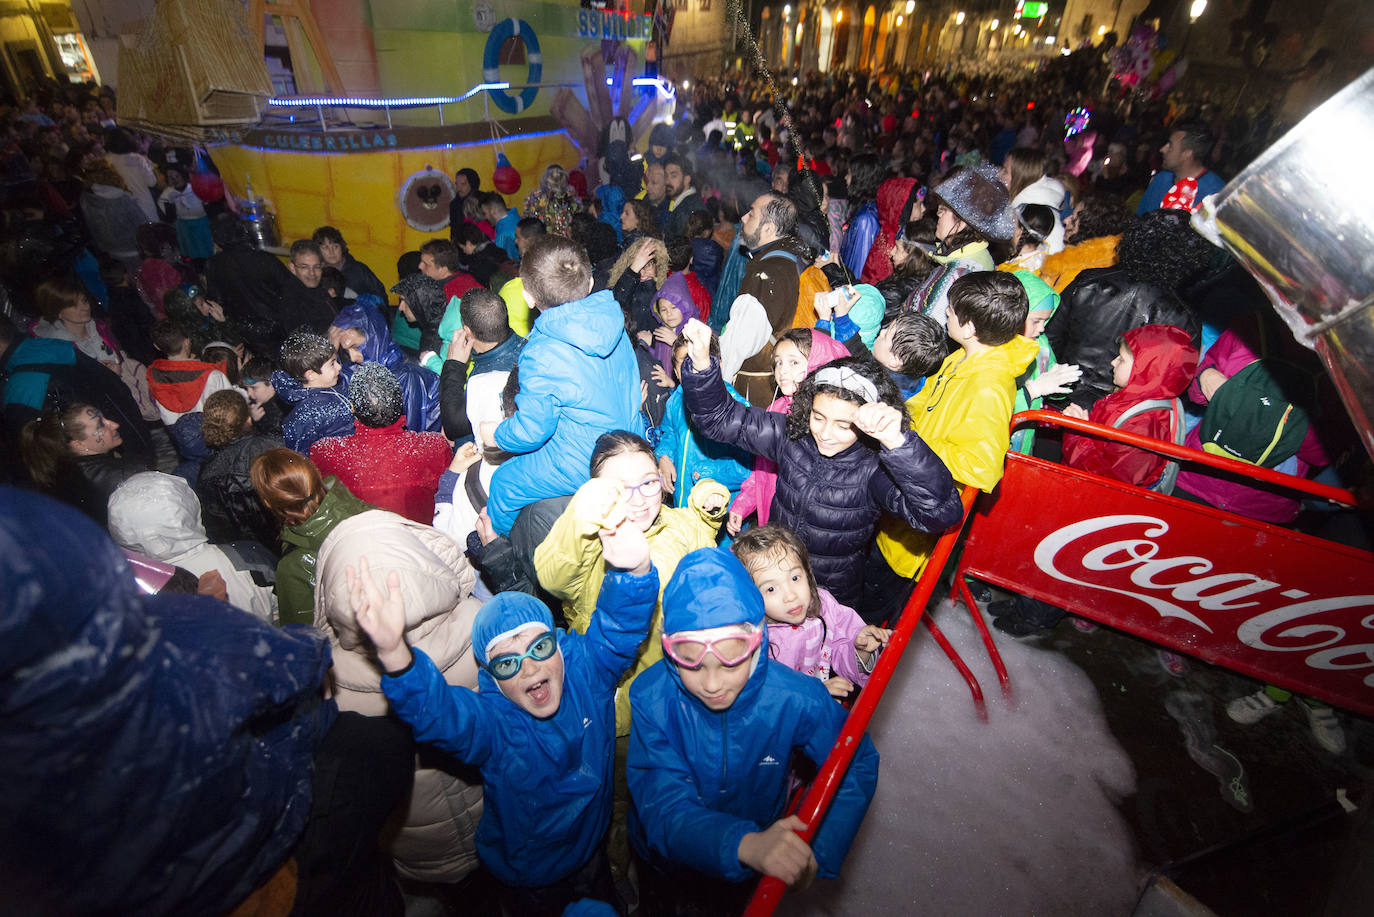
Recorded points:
(541,727)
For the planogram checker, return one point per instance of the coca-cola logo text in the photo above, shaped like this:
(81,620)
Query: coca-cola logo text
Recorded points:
(1189,588)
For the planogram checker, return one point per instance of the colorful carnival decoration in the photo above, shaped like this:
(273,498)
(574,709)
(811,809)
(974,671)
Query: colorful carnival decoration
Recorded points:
(1076,121)
(424,198)
(505,30)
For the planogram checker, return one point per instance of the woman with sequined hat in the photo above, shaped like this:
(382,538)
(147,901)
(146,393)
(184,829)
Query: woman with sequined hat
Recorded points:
(973,217)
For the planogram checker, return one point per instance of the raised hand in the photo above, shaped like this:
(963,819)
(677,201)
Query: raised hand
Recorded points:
(626,547)
(733,523)
(698,335)
(463,459)
(715,502)
(849,298)
(382,617)
(460,346)
(660,375)
(665,335)
(824,309)
(881,421)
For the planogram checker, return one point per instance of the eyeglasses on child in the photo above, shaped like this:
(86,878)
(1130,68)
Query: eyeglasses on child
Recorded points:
(507,665)
(689,650)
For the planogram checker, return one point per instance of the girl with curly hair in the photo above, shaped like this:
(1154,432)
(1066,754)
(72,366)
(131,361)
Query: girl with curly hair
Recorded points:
(845,454)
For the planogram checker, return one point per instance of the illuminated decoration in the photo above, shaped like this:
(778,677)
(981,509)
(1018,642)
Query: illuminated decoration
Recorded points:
(424,198)
(910,7)
(505,30)
(959,18)
(1049,39)
(839,17)
(995,24)
(899,22)
(1032,9)
(1076,121)
(1196,10)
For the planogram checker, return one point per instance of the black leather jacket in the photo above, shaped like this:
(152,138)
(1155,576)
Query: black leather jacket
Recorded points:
(1095,310)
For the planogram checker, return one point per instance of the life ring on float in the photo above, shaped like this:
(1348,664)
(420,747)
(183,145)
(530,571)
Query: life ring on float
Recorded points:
(491,64)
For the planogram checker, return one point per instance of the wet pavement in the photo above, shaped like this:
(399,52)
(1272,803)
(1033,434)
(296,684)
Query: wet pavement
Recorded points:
(1104,772)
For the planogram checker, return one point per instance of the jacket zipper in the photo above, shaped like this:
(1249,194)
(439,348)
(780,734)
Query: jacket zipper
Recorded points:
(724,751)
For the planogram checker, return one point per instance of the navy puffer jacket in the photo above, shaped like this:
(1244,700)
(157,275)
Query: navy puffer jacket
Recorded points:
(832,503)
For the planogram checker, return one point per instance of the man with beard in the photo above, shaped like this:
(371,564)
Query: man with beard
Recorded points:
(683,198)
(766,305)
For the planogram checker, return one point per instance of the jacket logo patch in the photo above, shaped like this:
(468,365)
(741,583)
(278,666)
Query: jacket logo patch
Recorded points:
(768,759)
(586,721)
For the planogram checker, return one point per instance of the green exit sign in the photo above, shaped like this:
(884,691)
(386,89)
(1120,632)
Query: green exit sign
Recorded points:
(1034,9)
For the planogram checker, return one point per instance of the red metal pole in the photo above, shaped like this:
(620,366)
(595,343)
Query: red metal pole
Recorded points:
(1255,473)
(827,782)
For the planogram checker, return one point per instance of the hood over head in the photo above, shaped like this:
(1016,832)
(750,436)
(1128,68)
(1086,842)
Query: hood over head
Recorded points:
(363,314)
(157,514)
(426,299)
(824,349)
(47,601)
(676,291)
(505,614)
(594,325)
(710,588)
(1164,362)
(435,578)
(1039,293)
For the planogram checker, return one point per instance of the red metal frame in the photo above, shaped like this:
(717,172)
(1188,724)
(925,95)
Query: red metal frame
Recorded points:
(822,791)
(827,783)
(1006,545)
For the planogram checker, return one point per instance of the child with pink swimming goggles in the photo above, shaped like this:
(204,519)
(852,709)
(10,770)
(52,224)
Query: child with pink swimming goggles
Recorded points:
(715,724)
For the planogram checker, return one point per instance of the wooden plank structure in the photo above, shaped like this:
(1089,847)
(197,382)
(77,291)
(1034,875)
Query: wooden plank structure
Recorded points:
(192,68)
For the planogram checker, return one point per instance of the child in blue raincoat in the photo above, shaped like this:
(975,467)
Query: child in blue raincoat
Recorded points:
(541,727)
(715,725)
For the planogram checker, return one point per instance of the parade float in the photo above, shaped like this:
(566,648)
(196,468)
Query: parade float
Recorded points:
(358,113)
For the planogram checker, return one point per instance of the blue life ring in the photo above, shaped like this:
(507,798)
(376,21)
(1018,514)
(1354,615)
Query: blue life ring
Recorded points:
(491,64)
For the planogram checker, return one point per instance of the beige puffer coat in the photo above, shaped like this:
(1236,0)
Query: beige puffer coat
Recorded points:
(437,841)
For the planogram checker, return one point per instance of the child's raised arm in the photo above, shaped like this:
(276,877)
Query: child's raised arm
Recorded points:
(629,594)
(447,716)
(719,416)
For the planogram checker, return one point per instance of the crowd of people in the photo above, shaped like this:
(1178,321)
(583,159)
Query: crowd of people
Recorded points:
(553,561)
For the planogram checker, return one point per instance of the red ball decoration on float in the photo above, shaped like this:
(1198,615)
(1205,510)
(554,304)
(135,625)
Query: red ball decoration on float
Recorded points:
(505,178)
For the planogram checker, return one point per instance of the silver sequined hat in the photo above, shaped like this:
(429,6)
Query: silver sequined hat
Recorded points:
(977,195)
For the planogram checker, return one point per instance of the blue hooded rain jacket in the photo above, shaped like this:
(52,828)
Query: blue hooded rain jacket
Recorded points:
(700,779)
(547,783)
(578,379)
(419,386)
(158,749)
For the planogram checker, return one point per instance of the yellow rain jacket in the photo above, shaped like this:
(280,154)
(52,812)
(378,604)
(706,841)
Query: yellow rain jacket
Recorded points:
(963,413)
(570,567)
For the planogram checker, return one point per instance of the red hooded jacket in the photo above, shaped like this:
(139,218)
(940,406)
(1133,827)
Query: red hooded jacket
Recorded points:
(891,199)
(1165,361)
